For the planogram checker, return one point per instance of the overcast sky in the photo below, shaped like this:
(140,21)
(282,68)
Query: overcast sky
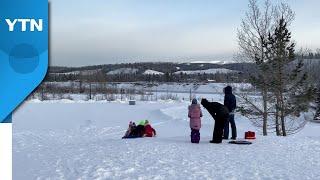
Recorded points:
(91,32)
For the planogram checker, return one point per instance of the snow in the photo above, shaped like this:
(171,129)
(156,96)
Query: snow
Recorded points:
(208,71)
(85,72)
(205,88)
(62,140)
(67,73)
(212,62)
(149,71)
(123,71)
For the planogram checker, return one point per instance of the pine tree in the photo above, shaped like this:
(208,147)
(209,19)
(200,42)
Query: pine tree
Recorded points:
(288,79)
(317,115)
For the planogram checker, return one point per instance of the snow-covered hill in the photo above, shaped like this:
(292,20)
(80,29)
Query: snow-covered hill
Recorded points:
(212,62)
(149,71)
(84,72)
(123,71)
(208,71)
(56,140)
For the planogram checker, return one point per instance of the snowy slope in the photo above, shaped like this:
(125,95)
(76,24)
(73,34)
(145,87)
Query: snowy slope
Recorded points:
(57,140)
(212,62)
(208,71)
(85,72)
(123,71)
(149,71)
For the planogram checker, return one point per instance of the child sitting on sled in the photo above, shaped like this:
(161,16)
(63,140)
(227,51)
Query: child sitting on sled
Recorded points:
(149,131)
(130,130)
(144,129)
(195,115)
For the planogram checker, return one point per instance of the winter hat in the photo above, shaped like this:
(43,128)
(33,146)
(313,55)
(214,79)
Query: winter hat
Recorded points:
(228,90)
(142,122)
(194,101)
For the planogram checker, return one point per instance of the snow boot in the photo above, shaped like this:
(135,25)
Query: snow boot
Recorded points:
(195,136)
(216,141)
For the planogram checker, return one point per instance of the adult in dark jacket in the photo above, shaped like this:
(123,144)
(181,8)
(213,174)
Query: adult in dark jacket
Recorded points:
(231,103)
(220,114)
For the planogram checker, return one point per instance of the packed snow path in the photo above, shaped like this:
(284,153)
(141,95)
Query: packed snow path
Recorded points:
(59,140)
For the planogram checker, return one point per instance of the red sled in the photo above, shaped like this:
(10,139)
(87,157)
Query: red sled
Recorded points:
(250,135)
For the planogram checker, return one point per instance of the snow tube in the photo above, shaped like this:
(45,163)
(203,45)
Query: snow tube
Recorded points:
(240,142)
(131,137)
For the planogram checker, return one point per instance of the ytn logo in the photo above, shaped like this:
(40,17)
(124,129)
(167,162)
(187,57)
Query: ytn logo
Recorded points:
(24,24)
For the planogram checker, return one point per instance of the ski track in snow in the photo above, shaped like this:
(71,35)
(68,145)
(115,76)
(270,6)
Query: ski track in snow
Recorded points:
(90,146)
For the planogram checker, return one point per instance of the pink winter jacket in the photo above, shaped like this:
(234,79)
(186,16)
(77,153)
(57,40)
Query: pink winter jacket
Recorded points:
(195,115)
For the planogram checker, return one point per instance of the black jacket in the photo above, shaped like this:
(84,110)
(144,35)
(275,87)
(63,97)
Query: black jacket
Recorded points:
(229,99)
(218,111)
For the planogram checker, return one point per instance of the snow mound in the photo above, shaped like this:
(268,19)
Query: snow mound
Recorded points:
(150,72)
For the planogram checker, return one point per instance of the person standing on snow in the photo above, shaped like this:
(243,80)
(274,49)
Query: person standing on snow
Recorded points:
(195,115)
(231,103)
(220,114)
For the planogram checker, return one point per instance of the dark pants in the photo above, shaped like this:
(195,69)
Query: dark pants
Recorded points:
(233,127)
(218,131)
(195,135)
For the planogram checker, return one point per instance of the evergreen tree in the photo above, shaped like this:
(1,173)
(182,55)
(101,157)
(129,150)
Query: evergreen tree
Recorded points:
(317,115)
(288,79)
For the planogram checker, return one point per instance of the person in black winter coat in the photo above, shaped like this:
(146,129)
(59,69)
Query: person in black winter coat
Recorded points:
(220,114)
(231,103)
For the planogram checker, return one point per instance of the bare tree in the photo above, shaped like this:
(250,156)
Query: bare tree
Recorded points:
(252,35)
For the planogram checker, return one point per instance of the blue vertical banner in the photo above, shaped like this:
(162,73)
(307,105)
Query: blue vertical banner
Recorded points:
(8,119)
(23,51)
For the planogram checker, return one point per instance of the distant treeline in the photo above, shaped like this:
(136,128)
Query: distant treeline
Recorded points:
(164,67)
(167,77)
(241,72)
(170,73)
(312,55)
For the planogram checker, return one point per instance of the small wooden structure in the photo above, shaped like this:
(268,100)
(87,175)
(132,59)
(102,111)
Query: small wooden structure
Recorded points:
(132,102)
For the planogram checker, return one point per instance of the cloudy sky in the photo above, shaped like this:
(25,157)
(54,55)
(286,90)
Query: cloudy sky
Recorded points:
(91,32)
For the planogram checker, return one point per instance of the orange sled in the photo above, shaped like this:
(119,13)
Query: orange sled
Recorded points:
(250,135)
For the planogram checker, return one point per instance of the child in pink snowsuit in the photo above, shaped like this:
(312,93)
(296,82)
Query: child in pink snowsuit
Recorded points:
(195,115)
